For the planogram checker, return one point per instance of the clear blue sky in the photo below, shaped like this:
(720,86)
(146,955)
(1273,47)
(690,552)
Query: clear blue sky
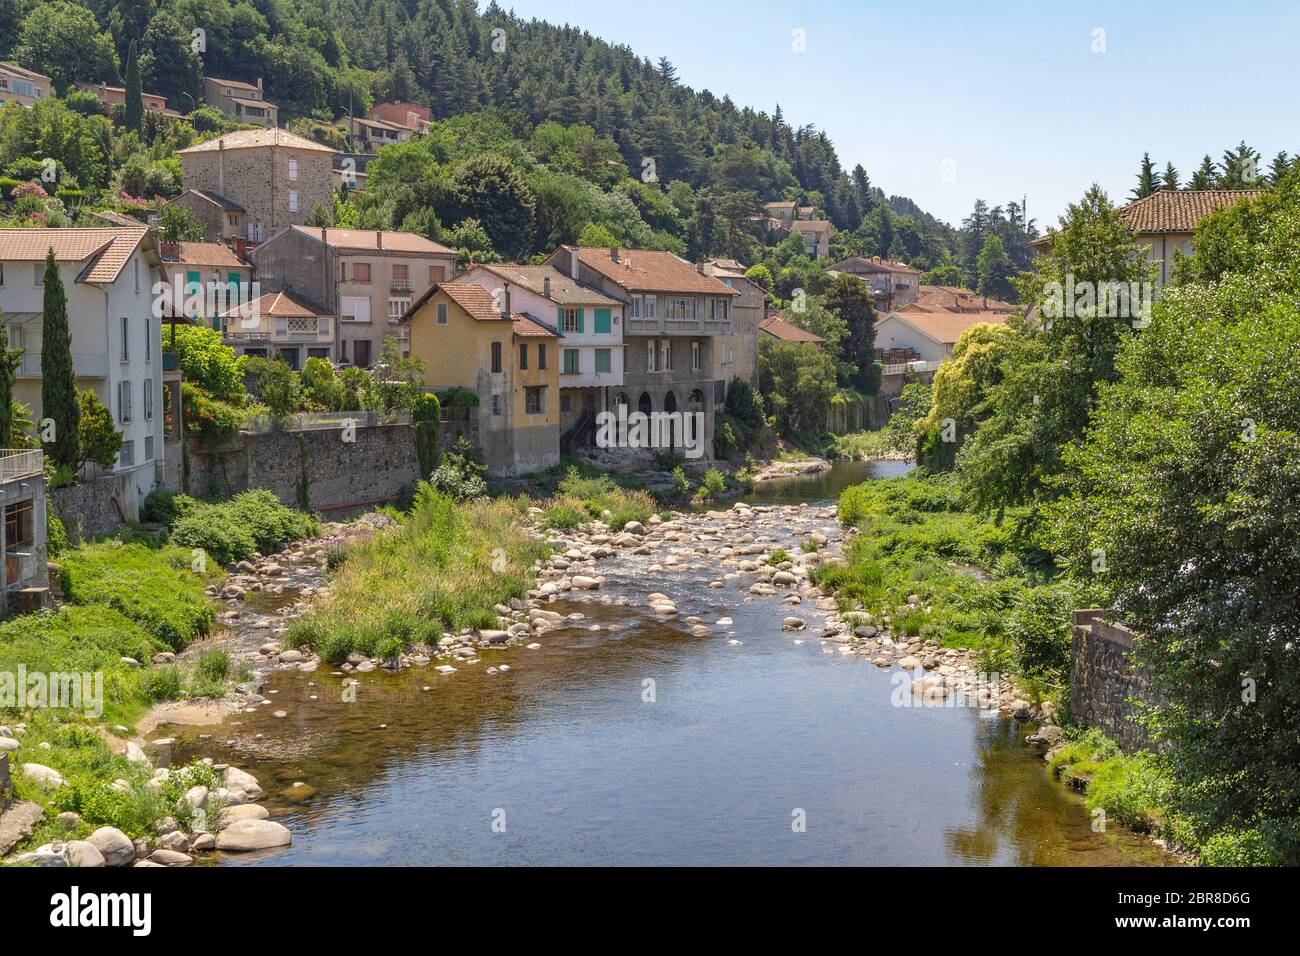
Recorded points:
(1009,91)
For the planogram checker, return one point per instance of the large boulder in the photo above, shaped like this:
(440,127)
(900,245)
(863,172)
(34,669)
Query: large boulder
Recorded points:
(115,846)
(247,811)
(236,779)
(83,853)
(45,776)
(245,835)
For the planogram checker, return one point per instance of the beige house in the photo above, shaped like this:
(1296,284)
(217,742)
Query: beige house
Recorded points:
(1163,223)
(931,335)
(893,284)
(365,278)
(26,87)
(409,115)
(469,338)
(736,355)
(112,96)
(243,101)
(368,135)
(280,325)
(211,270)
(251,183)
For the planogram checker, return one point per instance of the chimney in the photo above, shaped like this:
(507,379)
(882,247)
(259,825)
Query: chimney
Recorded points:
(169,250)
(259,84)
(573,263)
(505,302)
(699,267)
(546,287)
(379,239)
(613,253)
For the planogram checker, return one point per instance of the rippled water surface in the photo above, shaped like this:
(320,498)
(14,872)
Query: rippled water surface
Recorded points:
(568,756)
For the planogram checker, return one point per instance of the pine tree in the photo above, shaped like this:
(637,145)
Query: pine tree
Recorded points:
(9,361)
(58,379)
(1148,178)
(667,72)
(134,97)
(1280,166)
(1240,168)
(1206,177)
(1170,178)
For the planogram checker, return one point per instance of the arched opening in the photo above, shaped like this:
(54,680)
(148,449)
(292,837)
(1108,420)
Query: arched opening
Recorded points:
(644,404)
(670,406)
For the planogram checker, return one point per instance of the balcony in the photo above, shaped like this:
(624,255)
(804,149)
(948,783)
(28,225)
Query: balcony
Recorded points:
(18,463)
(400,287)
(84,364)
(666,327)
(296,330)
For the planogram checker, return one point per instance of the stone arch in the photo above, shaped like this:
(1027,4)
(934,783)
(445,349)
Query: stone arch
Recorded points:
(645,403)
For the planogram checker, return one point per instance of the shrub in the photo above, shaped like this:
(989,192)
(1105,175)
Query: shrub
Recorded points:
(254,521)
(166,507)
(681,484)
(712,483)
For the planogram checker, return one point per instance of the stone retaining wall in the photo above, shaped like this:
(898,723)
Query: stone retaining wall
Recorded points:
(87,509)
(1103,680)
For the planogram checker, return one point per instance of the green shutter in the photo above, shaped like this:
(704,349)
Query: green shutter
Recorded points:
(580,321)
(602,320)
(559,319)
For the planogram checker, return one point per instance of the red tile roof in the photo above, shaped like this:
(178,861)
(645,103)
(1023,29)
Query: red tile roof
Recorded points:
(209,254)
(473,298)
(947,327)
(564,290)
(529,327)
(280,305)
(102,251)
(872,265)
(645,270)
(1179,210)
(371,240)
(779,328)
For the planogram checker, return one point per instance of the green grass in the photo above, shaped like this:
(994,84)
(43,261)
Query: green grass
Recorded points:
(581,498)
(869,444)
(233,530)
(443,568)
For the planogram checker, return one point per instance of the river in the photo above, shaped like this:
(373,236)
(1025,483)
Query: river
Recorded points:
(564,759)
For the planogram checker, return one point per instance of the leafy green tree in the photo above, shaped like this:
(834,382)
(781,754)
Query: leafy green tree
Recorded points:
(321,388)
(279,389)
(58,378)
(958,392)
(594,235)
(134,95)
(209,364)
(797,382)
(62,40)
(178,224)
(761,275)
(472,243)
(850,299)
(994,270)
(490,190)
(98,440)
(1186,484)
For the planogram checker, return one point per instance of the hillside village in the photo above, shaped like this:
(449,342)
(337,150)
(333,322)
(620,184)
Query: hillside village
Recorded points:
(364,385)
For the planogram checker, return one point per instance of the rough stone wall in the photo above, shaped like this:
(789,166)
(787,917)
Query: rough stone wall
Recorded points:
(212,218)
(87,509)
(258,179)
(1103,681)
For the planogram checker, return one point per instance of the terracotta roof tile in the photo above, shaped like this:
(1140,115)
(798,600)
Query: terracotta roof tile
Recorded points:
(209,254)
(253,138)
(368,240)
(473,298)
(779,328)
(102,251)
(873,265)
(1179,210)
(529,327)
(645,270)
(280,305)
(564,290)
(947,327)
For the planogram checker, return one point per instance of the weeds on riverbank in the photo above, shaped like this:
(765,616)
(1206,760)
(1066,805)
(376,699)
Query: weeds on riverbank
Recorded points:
(443,568)
(254,521)
(581,499)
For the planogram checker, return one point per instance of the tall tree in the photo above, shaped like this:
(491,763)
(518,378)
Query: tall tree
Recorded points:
(1148,178)
(1170,180)
(1280,166)
(58,378)
(994,270)
(134,95)
(1206,176)
(850,299)
(1239,168)
(9,361)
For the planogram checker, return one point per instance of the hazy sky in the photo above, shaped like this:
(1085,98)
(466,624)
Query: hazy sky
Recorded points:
(1006,96)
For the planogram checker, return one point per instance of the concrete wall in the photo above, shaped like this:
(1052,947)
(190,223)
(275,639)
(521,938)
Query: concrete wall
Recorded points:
(1103,681)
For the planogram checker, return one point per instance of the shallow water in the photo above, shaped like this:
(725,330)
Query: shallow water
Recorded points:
(563,760)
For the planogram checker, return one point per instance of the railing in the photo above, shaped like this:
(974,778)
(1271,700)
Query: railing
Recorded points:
(315,421)
(400,285)
(84,364)
(20,463)
(295,329)
(903,368)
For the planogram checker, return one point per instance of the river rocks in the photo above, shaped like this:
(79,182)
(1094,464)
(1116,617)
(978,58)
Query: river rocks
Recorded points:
(235,779)
(46,776)
(84,854)
(8,745)
(1049,735)
(584,583)
(114,845)
(700,630)
(634,527)
(248,811)
(204,843)
(177,842)
(290,657)
(909,663)
(493,637)
(793,624)
(170,858)
(445,669)
(784,578)
(247,835)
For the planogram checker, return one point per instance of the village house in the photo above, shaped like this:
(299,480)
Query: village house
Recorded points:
(25,87)
(108,275)
(775,327)
(930,335)
(1163,223)
(470,338)
(676,316)
(736,354)
(250,183)
(417,118)
(892,284)
(112,96)
(243,101)
(947,298)
(590,350)
(279,325)
(364,278)
(24,576)
(367,135)
(211,270)
(786,217)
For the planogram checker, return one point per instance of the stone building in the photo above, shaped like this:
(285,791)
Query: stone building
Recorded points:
(25,582)
(736,355)
(244,102)
(252,183)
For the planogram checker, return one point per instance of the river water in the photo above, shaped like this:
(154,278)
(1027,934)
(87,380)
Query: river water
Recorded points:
(566,759)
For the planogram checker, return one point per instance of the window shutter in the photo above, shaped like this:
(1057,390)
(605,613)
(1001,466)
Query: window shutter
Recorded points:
(559,318)
(602,321)
(581,321)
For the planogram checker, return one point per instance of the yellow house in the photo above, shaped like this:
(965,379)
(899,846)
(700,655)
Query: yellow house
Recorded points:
(470,339)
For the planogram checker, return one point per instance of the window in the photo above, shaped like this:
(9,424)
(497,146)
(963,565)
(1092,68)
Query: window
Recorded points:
(126,339)
(397,308)
(571,320)
(602,360)
(442,313)
(361,272)
(355,309)
(602,321)
(535,399)
(496,404)
(293,169)
(681,307)
(148,400)
(293,200)
(523,356)
(401,279)
(564,401)
(724,310)
(39,269)
(148,448)
(666,356)
(436,274)
(126,457)
(650,355)
(318,353)
(18,525)
(695,356)
(2,273)
(571,362)
(496,358)
(541,355)
(148,340)
(124,402)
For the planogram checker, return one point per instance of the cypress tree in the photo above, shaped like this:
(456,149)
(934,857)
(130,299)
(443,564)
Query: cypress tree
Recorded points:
(134,96)
(9,360)
(58,379)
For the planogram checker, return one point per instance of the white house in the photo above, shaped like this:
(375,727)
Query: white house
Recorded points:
(930,334)
(590,325)
(108,275)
